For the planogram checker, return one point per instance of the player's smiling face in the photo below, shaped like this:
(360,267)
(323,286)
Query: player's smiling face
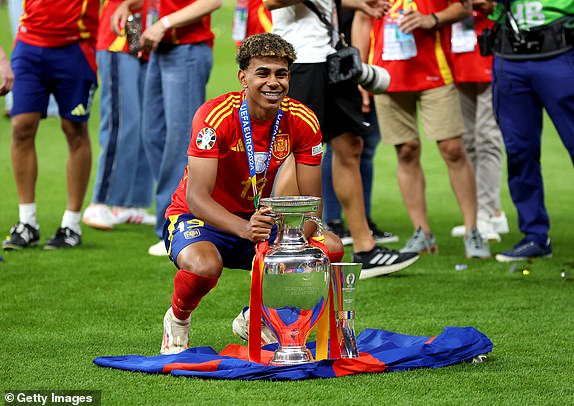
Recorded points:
(266,83)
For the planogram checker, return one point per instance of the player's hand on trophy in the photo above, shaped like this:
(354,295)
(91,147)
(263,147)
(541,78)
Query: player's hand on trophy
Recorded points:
(259,226)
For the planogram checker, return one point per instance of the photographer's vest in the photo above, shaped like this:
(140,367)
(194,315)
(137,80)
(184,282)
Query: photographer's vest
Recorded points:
(533,29)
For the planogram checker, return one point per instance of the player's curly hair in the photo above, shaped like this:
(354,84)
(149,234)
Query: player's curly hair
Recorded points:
(267,44)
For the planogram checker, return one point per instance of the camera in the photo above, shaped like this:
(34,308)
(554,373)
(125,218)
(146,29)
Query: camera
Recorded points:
(346,64)
(374,79)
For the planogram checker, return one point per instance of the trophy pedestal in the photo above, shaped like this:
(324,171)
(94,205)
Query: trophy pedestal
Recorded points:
(290,355)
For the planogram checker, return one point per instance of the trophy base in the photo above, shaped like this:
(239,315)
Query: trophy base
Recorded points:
(291,356)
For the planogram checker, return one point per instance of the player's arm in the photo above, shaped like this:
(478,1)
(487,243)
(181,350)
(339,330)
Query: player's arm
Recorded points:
(361,39)
(375,8)
(202,173)
(455,11)
(6,74)
(189,14)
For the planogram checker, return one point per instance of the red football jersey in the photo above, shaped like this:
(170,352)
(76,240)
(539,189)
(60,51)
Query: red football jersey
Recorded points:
(216,133)
(431,67)
(471,66)
(199,31)
(56,23)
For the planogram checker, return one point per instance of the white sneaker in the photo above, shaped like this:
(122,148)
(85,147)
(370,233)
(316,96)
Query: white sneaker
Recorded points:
(500,223)
(487,231)
(175,334)
(99,216)
(158,249)
(485,228)
(133,215)
(240,327)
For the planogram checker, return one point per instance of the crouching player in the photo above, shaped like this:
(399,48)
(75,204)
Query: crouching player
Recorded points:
(238,142)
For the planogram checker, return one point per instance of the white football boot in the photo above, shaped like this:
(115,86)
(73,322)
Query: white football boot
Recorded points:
(240,327)
(99,216)
(175,334)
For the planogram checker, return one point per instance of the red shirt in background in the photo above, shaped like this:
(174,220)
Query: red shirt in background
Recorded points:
(432,66)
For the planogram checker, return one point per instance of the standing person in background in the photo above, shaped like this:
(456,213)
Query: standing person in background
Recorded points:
(413,43)
(14,14)
(181,42)
(338,108)
(124,183)
(534,56)
(482,138)
(6,74)
(331,206)
(54,54)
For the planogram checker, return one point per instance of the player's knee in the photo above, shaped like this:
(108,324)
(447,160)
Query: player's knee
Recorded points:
(209,266)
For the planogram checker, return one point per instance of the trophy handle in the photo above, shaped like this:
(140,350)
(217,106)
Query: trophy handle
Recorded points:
(320,227)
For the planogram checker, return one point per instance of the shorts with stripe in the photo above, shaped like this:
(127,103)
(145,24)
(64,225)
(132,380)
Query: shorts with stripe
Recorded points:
(182,230)
(64,72)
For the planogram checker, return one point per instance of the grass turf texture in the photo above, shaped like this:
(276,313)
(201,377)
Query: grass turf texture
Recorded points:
(59,310)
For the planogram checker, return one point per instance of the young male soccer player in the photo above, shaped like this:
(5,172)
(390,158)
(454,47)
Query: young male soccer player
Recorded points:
(238,142)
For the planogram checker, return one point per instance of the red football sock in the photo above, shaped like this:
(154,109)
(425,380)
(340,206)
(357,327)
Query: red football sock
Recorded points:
(188,290)
(336,256)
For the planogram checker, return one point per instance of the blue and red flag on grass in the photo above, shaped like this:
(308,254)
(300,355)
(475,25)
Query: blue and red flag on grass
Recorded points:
(380,351)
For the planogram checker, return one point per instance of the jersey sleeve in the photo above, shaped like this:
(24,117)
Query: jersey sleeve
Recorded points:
(307,147)
(205,139)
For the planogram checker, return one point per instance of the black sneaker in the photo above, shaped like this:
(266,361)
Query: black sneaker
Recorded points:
(338,227)
(64,238)
(380,236)
(382,261)
(21,236)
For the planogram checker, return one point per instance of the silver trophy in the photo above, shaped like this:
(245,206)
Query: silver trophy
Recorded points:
(295,279)
(344,276)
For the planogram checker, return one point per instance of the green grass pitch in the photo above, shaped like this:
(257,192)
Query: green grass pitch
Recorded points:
(59,310)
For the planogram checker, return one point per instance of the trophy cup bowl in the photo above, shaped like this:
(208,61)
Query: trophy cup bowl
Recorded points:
(295,280)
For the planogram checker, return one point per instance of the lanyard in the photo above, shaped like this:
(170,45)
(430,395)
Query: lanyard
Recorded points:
(249,149)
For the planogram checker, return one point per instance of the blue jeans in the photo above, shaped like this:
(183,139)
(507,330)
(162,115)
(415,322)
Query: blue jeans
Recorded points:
(520,90)
(123,177)
(331,206)
(174,89)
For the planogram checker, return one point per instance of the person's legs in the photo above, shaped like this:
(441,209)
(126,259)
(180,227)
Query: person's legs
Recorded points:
(348,188)
(411,179)
(120,133)
(79,162)
(184,71)
(488,167)
(24,157)
(519,113)
(442,121)
(461,178)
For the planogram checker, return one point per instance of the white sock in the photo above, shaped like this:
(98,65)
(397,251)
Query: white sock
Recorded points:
(27,212)
(71,219)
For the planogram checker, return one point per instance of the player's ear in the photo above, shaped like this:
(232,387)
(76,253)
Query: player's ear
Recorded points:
(242,78)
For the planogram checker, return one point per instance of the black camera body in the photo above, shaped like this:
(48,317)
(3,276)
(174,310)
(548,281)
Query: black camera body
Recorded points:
(346,64)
